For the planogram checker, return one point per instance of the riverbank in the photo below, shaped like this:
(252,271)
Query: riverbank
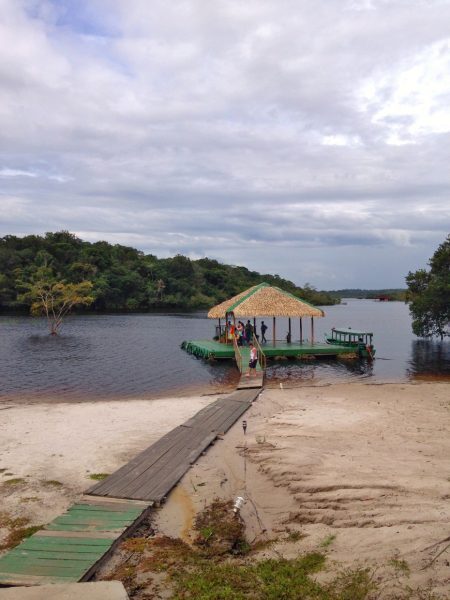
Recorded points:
(51,453)
(359,471)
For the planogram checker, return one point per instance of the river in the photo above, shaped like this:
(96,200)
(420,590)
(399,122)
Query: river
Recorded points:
(139,355)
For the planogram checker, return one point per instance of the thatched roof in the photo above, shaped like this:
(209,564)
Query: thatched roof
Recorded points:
(265,300)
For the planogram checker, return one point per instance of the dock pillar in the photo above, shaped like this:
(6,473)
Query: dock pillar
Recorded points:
(290,332)
(301,331)
(312,331)
(274,336)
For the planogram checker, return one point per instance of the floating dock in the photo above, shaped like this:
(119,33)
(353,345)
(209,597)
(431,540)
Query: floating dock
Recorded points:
(211,349)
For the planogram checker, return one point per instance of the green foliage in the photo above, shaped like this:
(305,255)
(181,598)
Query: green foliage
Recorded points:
(270,579)
(53,298)
(328,541)
(429,295)
(99,476)
(123,278)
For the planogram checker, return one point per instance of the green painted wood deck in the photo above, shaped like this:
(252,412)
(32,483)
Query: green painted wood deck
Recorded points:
(68,549)
(72,546)
(216,350)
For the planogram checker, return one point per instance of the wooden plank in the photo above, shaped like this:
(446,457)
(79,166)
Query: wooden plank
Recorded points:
(132,470)
(231,420)
(64,549)
(113,508)
(85,535)
(57,542)
(164,478)
(40,554)
(107,502)
(134,480)
(160,489)
(212,422)
(89,516)
(167,462)
(82,528)
(233,411)
(21,579)
(44,567)
(150,454)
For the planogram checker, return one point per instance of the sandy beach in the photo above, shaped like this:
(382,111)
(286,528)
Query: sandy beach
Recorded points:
(48,452)
(361,471)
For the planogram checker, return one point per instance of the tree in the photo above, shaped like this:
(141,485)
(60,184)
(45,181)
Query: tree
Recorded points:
(429,295)
(55,299)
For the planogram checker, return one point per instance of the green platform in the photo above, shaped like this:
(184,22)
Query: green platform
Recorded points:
(70,546)
(215,350)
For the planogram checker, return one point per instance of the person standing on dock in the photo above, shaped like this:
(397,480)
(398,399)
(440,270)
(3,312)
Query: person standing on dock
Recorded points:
(253,361)
(248,331)
(240,333)
(263,332)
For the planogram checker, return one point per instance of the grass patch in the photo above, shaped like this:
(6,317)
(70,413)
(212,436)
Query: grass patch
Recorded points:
(15,481)
(98,476)
(3,470)
(51,483)
(272,579)
(400,565)
(327,541)
(295,536)
(217,566)
(19,530)
(29,499)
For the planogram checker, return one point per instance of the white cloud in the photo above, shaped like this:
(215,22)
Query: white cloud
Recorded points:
(242,130)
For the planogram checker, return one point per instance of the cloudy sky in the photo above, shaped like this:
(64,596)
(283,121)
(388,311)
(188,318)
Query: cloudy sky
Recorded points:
(308,138)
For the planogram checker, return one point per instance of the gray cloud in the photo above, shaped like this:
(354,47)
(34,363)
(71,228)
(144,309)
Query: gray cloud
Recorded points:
(306,138)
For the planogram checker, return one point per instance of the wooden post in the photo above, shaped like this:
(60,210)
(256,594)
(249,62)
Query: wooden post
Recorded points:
(254,326)
(301,331)
(290,332)
(220,330)
(274,336)
(312,331)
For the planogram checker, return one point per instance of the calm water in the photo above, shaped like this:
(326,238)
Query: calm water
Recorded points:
(107,356)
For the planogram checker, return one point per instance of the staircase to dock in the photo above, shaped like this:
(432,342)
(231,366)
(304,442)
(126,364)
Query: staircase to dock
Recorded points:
(242,356)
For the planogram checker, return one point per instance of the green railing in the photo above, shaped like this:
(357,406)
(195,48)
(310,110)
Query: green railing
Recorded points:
(237,354)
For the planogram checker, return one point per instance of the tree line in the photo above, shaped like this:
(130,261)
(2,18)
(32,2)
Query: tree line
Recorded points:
(114,277)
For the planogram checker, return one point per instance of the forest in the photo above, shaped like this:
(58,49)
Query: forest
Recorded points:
(126,279)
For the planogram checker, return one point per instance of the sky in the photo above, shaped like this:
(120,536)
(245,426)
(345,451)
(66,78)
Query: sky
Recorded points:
(308,138)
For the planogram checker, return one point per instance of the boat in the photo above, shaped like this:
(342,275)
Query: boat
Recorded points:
(359,342)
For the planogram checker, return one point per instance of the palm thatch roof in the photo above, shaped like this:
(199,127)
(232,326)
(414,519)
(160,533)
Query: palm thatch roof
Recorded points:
(265,300)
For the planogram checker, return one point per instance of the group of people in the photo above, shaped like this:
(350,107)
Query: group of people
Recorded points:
(244,337)
(244,333)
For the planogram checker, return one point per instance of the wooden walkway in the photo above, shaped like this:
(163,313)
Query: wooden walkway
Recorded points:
(72,547)
(69,548)
(153,473)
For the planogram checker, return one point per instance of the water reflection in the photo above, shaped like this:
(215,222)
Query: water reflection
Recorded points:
(108,356)
(429,359)
(321,370)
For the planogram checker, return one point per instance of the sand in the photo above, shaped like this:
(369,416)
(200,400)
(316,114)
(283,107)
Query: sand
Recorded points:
(54,448)
(361,471)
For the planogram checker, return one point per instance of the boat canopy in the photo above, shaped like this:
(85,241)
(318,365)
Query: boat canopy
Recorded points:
(350,331)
